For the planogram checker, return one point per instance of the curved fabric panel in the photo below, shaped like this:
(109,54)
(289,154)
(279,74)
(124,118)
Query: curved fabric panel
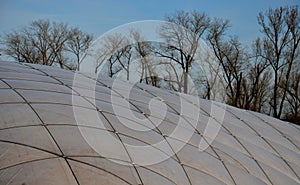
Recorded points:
(55,130)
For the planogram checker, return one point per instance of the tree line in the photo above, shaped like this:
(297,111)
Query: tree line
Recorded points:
(47,43)
(263,77)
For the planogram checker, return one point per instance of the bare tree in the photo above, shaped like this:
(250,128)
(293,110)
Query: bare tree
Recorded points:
(20,48)
(143,51)
(48,39)
(124,56)
(78,43)
(112,43)
(43,42)
(281,31)
(182,37)
(231,56)
(293,101)
(59,34)
(257,79)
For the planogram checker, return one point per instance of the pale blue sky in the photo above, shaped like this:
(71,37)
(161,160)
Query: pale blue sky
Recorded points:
(99,16)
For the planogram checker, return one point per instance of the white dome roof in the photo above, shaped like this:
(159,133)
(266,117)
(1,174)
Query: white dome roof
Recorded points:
(48,135)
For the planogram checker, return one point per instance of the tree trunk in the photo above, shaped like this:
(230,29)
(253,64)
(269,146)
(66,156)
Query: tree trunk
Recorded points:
(275,95)
(185,80)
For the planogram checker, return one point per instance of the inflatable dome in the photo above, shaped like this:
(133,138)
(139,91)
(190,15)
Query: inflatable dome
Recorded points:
(59,127)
